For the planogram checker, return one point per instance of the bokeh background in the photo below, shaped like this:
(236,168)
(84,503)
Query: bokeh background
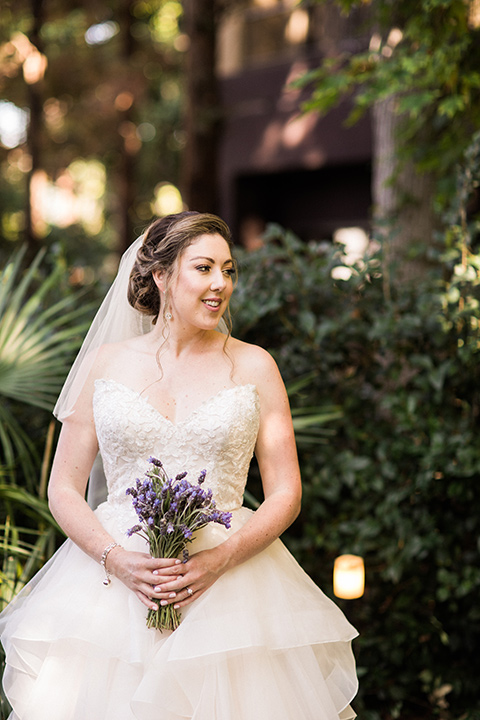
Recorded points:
(340,140)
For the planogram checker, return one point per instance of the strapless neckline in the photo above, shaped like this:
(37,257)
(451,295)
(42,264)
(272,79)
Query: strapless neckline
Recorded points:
(144,399)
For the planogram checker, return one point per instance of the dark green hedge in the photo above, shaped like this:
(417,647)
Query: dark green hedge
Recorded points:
(399,481)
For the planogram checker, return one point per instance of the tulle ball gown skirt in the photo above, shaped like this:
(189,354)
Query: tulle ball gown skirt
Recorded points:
(263,643)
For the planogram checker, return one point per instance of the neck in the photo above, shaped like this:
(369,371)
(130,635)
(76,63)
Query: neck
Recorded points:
(180,340)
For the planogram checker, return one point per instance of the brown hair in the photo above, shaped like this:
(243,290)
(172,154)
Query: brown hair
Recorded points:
(164,242)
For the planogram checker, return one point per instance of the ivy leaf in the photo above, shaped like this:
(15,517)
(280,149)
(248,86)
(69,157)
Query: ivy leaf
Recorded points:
(450,106)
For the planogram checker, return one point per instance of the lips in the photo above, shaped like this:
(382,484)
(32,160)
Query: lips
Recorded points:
(212,303)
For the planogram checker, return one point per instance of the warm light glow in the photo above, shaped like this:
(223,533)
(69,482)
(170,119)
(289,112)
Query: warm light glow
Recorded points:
(34,67)
(34,62)
(124,101)
(132,143)
(181,43)
(474,14)
(19,159)
(349,577)
(167,200)
(375,42)
(22,45)
(297,27)
(340,272)
(76,197)
(355,242)
(265,3)
(298,129)
(394,37)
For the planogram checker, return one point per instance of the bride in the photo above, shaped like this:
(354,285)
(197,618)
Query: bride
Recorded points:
(258,640)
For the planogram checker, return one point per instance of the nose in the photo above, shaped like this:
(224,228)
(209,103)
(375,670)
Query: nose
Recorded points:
(218,280)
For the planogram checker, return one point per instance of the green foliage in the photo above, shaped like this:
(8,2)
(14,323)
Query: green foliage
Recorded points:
(38,336)
(399,481)
(36,344)
(427,55)
(114,103)
(24,550)
(34,341)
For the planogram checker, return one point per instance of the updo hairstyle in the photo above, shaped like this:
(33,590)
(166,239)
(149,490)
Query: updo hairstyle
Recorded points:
(164,242)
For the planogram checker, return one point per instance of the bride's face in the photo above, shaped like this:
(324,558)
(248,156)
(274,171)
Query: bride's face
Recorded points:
(203,283)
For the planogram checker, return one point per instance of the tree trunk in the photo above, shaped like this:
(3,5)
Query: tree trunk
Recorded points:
(202,111)
(403,214)
(128,143)
(34,132)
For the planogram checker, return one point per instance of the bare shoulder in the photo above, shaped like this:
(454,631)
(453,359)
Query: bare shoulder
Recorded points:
(253,364)
(112,358)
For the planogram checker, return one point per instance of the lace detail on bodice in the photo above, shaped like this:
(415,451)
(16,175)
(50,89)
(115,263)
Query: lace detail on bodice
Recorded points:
(219,437)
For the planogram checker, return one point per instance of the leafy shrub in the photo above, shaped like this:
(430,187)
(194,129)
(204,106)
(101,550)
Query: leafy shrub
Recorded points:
(399,481)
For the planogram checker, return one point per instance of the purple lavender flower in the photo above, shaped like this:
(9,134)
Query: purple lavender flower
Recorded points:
(169,512)
(187,533)
(133,530)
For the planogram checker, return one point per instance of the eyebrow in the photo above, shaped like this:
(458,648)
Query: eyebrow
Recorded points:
(204,257)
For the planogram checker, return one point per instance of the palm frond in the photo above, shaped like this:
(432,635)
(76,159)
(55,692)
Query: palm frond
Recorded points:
(21,557)
(11,495)
(36,343)
(308,422)
(18,449)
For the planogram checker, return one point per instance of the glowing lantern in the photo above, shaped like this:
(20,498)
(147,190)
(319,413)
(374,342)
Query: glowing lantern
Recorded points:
(349,577)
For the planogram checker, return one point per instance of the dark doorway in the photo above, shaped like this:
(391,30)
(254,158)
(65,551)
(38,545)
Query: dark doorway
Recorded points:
(311,203)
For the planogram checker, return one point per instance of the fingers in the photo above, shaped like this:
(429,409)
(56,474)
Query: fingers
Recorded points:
(146,600)
(150,596)
(170,565)
(172,578)
(165,581)
(167,568)
(180,603)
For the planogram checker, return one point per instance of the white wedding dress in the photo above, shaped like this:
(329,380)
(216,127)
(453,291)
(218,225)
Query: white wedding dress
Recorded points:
(263,643)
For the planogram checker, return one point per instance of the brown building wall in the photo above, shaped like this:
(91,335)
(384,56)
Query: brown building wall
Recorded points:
(307,173)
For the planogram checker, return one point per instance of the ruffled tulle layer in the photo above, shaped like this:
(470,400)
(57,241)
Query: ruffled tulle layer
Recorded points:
(264,643)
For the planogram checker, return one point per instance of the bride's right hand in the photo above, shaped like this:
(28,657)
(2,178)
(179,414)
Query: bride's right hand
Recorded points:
(140,573)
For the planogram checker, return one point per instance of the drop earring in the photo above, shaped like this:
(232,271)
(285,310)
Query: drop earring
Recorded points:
(167,314)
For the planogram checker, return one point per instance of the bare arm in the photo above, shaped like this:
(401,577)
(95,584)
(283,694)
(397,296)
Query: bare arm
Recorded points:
(74,457)
(277,459)
(76,451)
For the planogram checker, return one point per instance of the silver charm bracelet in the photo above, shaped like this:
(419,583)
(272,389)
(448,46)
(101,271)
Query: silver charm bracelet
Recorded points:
(103,561)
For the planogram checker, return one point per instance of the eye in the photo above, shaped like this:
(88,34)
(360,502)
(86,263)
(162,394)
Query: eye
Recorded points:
(230,271)
(203,268)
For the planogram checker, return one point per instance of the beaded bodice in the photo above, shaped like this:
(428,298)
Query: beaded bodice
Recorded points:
(219,437)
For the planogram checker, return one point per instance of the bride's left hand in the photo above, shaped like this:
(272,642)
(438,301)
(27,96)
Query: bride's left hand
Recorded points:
(196,575)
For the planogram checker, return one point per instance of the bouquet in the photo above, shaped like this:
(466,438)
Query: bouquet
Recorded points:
(170,511)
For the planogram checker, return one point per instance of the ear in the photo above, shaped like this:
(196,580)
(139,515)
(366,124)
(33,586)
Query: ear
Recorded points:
(159,280)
